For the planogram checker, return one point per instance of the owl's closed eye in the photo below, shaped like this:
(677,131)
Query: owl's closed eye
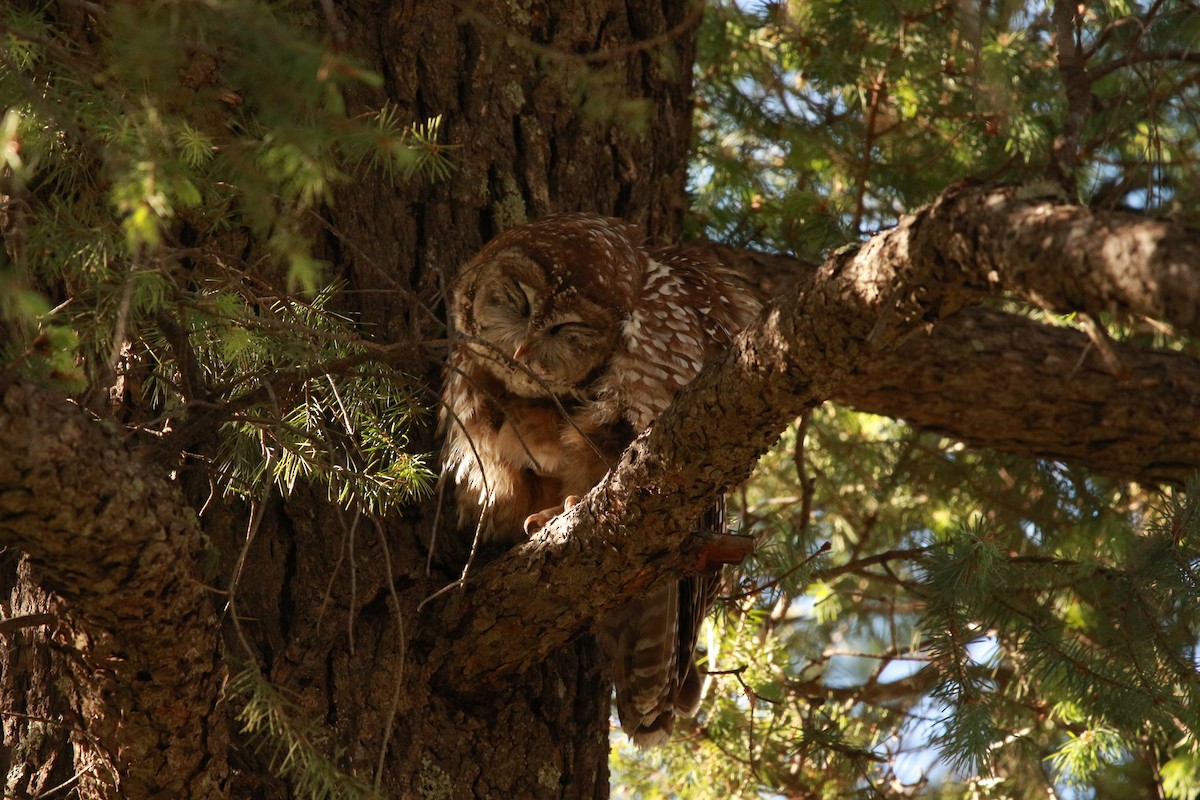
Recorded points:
(502,313)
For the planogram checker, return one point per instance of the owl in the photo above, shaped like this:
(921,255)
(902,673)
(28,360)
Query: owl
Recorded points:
(571,338)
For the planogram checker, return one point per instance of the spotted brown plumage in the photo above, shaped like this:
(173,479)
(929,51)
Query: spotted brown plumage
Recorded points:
(571,338)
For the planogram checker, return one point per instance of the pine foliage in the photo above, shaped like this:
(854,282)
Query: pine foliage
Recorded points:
(920,619)
(164,168)
(960,623)
(152,126)
(297,749)
(819,122)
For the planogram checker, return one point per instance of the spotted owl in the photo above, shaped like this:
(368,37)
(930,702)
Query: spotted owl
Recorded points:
(570,339)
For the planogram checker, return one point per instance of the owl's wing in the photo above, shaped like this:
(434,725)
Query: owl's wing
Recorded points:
(697,595)
(688,314)
(642,640)
(652,642)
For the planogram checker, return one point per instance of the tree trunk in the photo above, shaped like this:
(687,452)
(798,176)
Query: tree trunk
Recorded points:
(536,129)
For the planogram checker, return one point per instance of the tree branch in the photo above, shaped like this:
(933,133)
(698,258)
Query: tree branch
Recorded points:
(123,549)
(633,529)
(1072,65)
(999,381)
(1005,382)
(1064,257)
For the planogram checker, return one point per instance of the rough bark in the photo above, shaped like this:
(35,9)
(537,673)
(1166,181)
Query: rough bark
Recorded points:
(119,547)
(1002,381)
(35,749)
(1064,257)
(582,106)
(999,381)
(549,109)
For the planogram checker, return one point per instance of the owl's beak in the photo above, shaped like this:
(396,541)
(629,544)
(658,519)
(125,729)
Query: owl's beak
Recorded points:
(520,352)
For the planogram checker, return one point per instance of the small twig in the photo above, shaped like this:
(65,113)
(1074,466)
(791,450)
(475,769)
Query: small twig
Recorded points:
(1104,346)
(335,25)
(257,508)
(506,360)
(878,558)
(462,578)
(747,688)
(353,581)
(337,567)
(118,344)
(487,491)
(191,380)
(437,521)
(1131,59)
(734,671)
(808,484)
(68,783)
(553,54)
(878,88)
(341,406)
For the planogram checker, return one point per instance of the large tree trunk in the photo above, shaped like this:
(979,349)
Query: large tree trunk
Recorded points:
(538,129)
(512,95)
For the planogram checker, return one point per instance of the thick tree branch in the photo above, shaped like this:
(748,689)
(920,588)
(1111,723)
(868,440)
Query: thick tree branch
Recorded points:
(633,528)
(1064,257)
(123,549)
(1007,383)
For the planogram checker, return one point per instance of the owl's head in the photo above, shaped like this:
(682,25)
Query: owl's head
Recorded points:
(546,302)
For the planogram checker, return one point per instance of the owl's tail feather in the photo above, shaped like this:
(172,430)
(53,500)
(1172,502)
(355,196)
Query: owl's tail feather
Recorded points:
(652,643)
(655,729)
(687,701)
(656,733)
(653,684)
(641,639)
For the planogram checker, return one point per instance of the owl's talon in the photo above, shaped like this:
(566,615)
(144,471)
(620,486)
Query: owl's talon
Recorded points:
(535,522)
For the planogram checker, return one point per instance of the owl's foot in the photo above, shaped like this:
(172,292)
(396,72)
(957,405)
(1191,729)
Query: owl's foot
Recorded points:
(535,522)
